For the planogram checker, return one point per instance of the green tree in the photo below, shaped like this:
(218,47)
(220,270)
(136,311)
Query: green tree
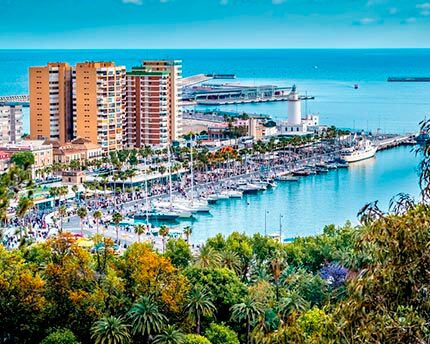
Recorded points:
(146,318)
(164,232)
(179,252)
(221,334)
(97,215)
(223,284)
(188,230)
(139,230)
(199,304)
(208,257)
(195,339)
(61,336)
(247,311)
(110,330)
(116,219)
(23,160)
(170,335)
(62,212)
(82,213)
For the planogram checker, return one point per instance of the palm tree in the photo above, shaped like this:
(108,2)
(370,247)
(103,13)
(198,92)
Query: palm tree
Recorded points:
(292,302)
(164,232)
(170,335)
(230,260)
(82,213)
(116,219)
(97,215)
(24,205)
(208,257)
(188,230)
(62,213)
(75,190)
(198,304)
(248,310)
(146,318)
(110,330)
(139,230)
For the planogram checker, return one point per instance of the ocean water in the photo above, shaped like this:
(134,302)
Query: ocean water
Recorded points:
(392,107)
(329,75)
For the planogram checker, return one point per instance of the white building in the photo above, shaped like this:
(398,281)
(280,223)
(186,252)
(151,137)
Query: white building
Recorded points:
(10,124)
(295,124)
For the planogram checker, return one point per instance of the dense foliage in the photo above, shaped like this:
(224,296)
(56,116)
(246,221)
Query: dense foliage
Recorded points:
(364,284)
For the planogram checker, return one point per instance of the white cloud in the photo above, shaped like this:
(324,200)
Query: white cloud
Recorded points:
(278,2)
(367,21)
(410,20)
(425,13)
(223,2)
(133,2)
(393,10)
(424,6)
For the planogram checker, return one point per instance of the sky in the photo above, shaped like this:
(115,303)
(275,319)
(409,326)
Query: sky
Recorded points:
(137,24)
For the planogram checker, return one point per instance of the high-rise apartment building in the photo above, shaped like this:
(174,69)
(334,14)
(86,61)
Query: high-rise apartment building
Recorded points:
(174,70)
(10,124)
(98,103)
(147,120)
(51,102)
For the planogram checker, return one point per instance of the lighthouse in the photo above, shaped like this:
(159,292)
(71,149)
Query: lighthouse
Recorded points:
(294,108)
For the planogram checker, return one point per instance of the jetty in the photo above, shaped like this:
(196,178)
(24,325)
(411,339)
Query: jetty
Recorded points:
(408,79)
(395,141)
(22,99)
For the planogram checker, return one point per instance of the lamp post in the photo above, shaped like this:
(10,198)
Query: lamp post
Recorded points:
(265,222)
(280,227)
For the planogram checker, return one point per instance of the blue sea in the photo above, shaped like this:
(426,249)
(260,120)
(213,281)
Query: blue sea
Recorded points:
(329,75)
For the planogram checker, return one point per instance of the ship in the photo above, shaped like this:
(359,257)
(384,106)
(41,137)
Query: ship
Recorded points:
(364,150)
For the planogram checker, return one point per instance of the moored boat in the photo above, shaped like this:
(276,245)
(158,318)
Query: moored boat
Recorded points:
(364,150)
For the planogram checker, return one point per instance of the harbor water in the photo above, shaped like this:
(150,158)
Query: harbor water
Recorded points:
(306,206)
(330,76)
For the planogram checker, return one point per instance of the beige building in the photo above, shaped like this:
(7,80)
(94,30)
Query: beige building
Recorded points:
(98,104)
(174,70)
(41,149)
(51,102)
(147,120)
(10,124)
(79,149)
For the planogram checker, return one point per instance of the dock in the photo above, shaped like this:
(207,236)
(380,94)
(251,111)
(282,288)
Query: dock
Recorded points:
(23,99)
(195,79)
(248,100)
(408,79)
(395,141)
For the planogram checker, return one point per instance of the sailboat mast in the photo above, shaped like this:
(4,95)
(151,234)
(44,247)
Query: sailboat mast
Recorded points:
(192,170)
(146,193)
(170,174)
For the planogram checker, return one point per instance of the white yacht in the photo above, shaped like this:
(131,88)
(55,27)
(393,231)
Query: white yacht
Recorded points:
(364,150)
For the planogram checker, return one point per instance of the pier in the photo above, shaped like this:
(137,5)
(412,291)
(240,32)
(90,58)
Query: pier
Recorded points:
(395,141)
(23,100)
(195,79)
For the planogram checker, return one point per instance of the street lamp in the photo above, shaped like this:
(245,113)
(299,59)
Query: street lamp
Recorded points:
(265,222)
(280,227)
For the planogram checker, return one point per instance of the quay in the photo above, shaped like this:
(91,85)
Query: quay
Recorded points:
(249,101)
(22,99)
(408,79)
(200,78)
(395,141)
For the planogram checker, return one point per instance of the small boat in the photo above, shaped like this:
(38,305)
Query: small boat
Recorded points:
(301,173)
(320,170)
(287,178)
(246,187)
(160,215)
(233,193)
(356,86)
